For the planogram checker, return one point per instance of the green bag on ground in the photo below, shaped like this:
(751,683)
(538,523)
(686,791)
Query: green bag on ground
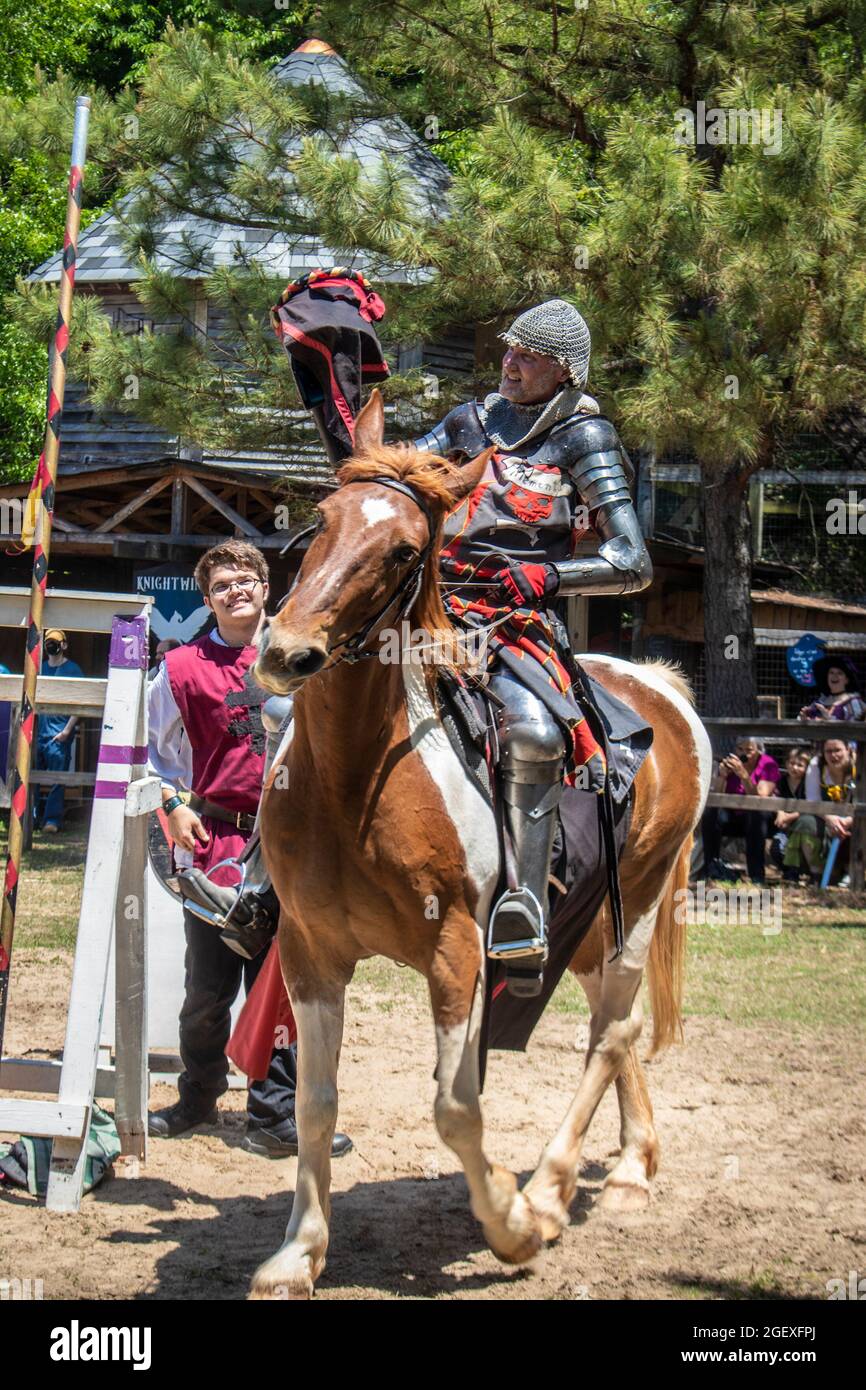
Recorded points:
(30,1158)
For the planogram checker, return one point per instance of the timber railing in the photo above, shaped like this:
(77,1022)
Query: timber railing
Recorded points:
(797,731)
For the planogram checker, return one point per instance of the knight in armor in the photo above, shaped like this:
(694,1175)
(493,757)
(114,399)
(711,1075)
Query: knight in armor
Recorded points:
(559,471)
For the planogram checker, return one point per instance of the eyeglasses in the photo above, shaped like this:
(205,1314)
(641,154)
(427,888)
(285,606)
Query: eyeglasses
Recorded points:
(246,586)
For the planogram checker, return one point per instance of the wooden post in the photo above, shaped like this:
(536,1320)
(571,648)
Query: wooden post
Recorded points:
(858,830)
(130,963)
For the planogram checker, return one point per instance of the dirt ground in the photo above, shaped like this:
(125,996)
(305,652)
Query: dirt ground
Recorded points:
(760,1191)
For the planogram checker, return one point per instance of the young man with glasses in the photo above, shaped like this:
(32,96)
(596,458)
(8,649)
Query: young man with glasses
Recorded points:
(206,736)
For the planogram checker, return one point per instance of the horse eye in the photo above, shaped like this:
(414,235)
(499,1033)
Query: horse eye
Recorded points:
(404,554)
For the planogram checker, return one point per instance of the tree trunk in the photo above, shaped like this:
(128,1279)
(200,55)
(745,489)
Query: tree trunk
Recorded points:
(729,638)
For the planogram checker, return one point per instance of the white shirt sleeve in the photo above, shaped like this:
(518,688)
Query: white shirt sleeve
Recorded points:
(168,749)
(813,780)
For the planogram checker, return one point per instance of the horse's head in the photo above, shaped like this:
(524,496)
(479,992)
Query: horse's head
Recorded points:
(373,559)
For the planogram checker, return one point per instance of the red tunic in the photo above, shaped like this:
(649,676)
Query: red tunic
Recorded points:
(220,705)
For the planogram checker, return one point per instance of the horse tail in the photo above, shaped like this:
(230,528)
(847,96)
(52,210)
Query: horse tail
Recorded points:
(666,963)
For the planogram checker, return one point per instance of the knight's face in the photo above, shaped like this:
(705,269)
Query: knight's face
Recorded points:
(528,378)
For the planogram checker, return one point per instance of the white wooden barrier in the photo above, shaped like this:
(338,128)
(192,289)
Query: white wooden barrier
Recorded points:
(114,896)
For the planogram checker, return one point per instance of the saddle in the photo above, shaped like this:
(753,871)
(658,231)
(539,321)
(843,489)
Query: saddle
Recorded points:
(586,849)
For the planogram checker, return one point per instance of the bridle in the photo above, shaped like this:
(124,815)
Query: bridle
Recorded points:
(407,590)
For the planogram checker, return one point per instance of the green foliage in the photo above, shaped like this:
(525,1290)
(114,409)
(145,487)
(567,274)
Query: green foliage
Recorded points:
(725,283)
(38,34)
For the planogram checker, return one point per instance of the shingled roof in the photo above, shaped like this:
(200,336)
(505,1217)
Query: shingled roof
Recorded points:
(103,258)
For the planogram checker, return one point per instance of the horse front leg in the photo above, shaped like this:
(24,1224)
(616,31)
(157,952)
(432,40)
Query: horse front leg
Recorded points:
(614,1029)
(456,990)
(292,1272)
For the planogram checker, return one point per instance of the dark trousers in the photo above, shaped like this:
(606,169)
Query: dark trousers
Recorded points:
(751,825)
(213,978)
(51,757)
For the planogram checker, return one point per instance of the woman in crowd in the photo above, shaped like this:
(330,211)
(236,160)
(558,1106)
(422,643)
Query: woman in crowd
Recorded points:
(829,777)
(748,771)
(790,787)
(836,677)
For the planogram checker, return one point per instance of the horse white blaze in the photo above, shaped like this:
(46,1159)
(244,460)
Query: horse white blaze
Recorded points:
(376,509)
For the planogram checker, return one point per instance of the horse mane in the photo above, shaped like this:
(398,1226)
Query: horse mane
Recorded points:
(434,478)
(670,672)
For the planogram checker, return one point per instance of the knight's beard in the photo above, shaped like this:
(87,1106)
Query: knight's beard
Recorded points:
(516,392)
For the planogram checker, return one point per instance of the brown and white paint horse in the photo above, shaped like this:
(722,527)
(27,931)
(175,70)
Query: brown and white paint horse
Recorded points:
(376,818)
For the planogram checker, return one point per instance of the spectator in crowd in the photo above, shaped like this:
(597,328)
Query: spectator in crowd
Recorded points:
(836,677)
(55,735)
(167,644)
(791,787)
(748,771)
(829,777)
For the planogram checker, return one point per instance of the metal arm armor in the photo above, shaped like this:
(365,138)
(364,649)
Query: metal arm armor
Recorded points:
(459,430)
(623,565)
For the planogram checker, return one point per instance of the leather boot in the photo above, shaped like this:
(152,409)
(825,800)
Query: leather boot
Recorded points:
(517,931)
(246,918)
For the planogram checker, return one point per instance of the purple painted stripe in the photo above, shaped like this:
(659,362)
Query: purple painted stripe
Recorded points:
(122,753)
(128,644)
(110,791)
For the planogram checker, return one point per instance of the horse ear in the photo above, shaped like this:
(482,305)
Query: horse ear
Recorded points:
(470,475)
(370,424)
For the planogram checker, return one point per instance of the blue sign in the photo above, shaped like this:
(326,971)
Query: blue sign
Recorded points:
(178,610)
(802,657)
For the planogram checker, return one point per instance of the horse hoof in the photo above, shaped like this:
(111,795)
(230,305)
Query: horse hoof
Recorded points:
(523,1233)
(296,1290)
(274,1281)
(624,1197)
(552,1213)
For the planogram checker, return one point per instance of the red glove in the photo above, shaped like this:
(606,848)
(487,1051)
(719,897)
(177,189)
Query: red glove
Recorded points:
(523,585)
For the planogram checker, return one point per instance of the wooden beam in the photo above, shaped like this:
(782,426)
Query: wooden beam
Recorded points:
(41,1076)
(73,610)
(731,801)
(78,694)
(73,482)
(80,542)
(808,729)
(222,507)
(127,510)
(44,1117)
(44,778)
(178,499)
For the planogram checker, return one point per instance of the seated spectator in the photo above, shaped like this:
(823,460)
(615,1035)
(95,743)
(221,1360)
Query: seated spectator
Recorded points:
(792,787)
(836,676)
(829,777)
(748,771)
(168,644)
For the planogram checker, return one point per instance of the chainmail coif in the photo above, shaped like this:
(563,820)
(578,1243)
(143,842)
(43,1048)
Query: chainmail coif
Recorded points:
(557,330)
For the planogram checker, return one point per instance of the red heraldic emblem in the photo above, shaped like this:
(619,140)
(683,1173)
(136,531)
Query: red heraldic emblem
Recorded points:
(529,506)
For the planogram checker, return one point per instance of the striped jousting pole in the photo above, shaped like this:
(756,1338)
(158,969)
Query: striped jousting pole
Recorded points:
(42,492)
